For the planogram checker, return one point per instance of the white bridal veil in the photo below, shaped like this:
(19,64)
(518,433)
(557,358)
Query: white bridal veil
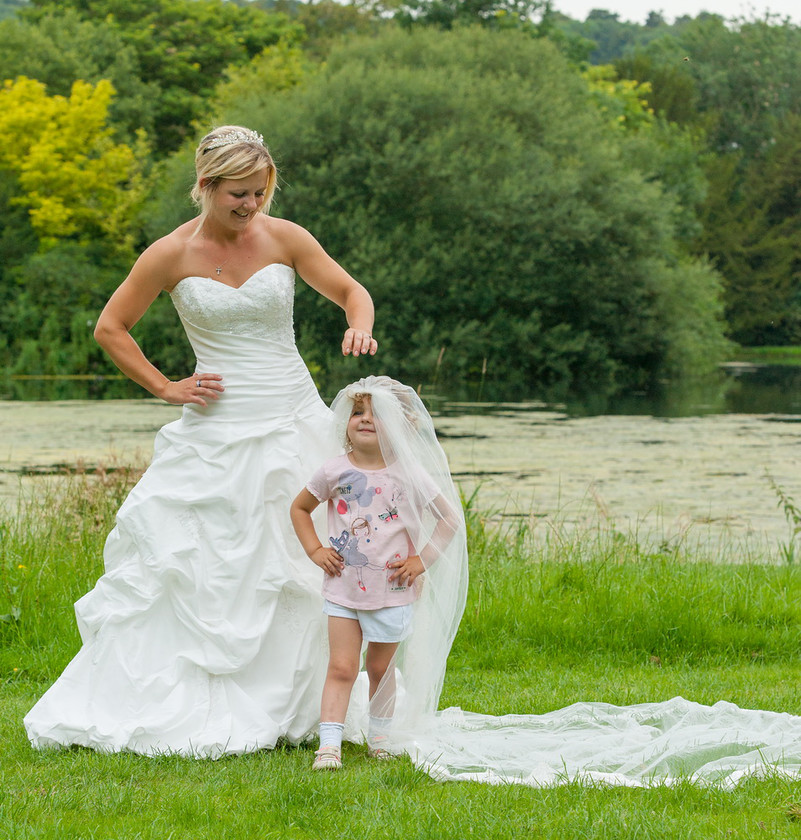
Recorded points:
(433,516)
(650,743)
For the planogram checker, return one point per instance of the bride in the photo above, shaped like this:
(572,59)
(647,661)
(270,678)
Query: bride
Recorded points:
(204,636)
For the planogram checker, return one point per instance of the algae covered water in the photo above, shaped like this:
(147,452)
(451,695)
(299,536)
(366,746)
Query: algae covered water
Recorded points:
(705,478)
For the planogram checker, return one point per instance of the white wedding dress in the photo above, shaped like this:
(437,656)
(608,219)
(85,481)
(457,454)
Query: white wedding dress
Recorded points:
(205,635)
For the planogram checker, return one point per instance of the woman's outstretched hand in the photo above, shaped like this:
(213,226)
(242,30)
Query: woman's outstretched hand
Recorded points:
(358,343)
(194,389)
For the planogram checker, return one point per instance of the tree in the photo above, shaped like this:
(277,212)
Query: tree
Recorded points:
(445,14)
(182,48)
(672,91)
(328,21)
(71,174)
(753,233)
(70,194)
(60,49)
(747,76)
(740,83)
(470,179)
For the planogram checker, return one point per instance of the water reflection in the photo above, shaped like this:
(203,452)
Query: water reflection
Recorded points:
(735,389)
(738,388)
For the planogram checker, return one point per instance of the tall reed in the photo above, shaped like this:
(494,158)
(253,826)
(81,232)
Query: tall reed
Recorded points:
(51,553)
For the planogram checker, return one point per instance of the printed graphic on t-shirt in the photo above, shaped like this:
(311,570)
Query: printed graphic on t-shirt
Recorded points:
(368,526)
(357,504)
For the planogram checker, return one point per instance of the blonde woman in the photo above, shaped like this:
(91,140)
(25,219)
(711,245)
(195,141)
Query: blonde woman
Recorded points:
(204,636)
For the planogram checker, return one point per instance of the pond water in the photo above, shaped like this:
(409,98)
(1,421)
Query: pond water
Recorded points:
(691,464)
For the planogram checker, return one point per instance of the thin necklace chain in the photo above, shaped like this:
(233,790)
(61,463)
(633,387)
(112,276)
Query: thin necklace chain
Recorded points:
(222,265)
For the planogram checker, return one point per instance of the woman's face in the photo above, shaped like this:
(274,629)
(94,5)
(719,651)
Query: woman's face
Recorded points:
(236,201)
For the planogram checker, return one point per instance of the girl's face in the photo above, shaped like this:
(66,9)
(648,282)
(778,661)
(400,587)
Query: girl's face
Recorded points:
(236,201)
(361,429)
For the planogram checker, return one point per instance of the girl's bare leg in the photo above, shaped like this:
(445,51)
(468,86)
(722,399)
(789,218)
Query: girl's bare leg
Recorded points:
(345,645)
(382,682)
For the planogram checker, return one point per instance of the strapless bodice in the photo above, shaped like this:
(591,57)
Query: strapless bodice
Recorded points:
(246,335)
(260,308)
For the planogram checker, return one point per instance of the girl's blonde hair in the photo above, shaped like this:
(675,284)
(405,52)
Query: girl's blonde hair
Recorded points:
(231,152)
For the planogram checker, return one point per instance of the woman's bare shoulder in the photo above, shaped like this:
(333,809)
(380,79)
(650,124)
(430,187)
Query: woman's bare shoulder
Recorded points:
(163,260)
(288,231)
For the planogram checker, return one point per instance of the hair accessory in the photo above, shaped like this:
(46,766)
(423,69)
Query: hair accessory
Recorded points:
(231,138)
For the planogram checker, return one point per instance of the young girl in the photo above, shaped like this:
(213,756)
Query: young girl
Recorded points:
(392,522)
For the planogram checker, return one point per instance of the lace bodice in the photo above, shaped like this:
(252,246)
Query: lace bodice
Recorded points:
(260,308)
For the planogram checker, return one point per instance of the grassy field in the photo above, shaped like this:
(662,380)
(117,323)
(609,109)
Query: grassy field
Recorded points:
(790,355)
(576,616)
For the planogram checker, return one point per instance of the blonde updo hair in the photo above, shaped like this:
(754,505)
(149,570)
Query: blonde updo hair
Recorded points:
(231,152)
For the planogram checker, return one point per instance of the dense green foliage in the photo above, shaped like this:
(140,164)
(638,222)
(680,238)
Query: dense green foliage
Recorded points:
(181,47)
(517,213)
(741,85)
(471,181)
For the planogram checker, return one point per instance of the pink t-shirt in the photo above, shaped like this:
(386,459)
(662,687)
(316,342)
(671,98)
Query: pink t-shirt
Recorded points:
(366,514)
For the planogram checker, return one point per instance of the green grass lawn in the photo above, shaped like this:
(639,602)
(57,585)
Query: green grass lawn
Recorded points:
(589,616)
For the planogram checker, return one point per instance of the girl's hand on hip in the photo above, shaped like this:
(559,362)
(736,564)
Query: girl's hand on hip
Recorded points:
(194,389)
(328,560)
(408,570)
(358,343)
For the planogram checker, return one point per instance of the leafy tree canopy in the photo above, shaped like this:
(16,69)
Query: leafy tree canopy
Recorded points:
(449,13)
(59,49)
(746,77)
(471,181)
(75,181)
(182,48)
(752,230)
(68,197)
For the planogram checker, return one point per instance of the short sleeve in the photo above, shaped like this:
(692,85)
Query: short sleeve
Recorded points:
(319,485)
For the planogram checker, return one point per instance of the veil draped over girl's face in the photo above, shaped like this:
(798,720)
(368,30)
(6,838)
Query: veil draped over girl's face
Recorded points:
(435,523)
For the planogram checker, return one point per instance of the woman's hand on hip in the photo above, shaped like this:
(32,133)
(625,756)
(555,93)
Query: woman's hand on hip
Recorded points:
(194,389)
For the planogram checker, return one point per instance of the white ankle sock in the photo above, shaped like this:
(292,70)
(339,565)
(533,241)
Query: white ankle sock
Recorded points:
(331,734)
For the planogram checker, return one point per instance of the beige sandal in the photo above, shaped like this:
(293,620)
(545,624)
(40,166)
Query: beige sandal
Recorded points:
(328,758)
(377,751)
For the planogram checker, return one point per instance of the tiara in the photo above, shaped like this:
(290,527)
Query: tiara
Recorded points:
(230,138)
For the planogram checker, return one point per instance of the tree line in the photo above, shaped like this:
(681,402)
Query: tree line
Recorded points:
(532,199)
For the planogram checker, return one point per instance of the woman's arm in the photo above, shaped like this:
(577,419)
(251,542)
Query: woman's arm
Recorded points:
(300,513)
(125,307)
(327,277)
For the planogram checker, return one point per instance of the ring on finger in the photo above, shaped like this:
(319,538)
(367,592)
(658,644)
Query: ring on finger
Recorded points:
(199,383)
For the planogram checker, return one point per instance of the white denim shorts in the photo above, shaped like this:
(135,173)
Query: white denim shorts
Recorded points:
(386,624)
